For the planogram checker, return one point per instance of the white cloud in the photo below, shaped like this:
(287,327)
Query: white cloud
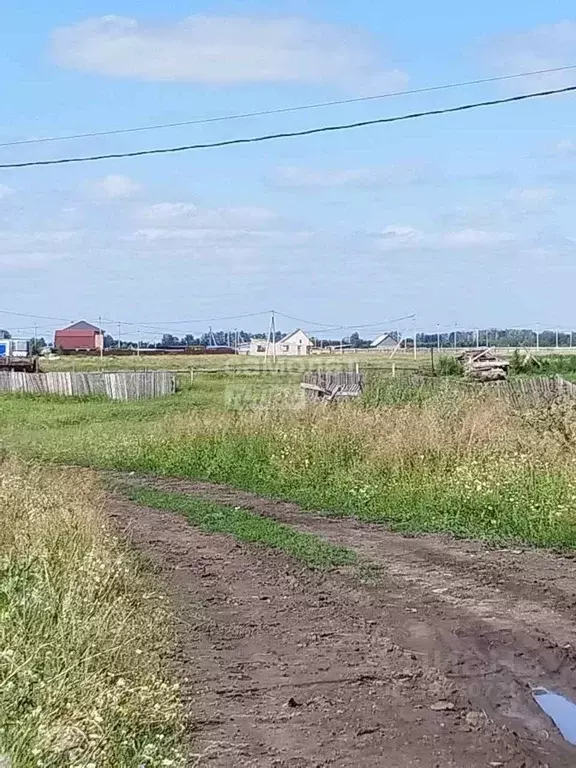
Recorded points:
(475,238)
(190,216)
(115,187)
(401,237)
(31,249)
(5,191)
(532,195)
(245,230)
(544,47)
(224,50)
(530,199)
(409,238)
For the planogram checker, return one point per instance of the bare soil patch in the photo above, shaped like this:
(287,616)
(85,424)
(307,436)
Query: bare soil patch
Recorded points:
(424,657)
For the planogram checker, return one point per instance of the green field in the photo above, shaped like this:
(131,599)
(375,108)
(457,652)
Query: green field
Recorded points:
(238,363)
(432,459)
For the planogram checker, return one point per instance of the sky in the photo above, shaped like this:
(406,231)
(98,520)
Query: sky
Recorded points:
(462,220)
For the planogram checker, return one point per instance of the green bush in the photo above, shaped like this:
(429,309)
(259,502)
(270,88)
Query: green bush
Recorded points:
(450,366)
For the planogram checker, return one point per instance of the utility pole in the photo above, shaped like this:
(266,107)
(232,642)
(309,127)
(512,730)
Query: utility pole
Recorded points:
(571,339)
(538,339)
(102,335)
(455,334)
(438,336)
(415,340)
(557,344)
(271,337)
(477,338)
(119,334)
(138,342)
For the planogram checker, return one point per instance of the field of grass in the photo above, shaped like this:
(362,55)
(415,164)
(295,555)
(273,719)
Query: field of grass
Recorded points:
(245,364)
(83,677)
(247,526)
(229,364)
(448,461)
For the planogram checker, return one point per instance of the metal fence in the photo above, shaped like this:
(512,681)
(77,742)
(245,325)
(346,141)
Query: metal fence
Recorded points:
(117,386)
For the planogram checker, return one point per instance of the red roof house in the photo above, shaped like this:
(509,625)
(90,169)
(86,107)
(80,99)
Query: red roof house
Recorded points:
(80,337)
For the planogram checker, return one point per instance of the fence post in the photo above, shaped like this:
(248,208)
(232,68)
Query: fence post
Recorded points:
(393,370)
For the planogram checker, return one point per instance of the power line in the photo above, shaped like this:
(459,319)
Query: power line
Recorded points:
(380,324)
(300,320)
(285,110)
(175,323)
(293,134)
(37,317)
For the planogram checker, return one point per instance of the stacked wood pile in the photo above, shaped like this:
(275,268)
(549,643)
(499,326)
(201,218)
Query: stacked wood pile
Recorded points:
(484,365)
(329,386)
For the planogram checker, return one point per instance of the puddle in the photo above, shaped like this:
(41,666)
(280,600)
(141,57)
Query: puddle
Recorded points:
(560,710)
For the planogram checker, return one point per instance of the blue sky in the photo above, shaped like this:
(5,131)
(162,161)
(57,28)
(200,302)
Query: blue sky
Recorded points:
(460,219)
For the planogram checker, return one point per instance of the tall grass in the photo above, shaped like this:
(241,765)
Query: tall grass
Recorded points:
(545,365)
(455,462)
(83,681)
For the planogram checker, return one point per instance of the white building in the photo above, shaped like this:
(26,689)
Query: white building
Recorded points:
(384,341)
(294,344)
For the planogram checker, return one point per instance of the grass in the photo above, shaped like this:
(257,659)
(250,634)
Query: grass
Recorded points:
(238,364)
(83,679)
(247,526)
(447,460)
(544,364)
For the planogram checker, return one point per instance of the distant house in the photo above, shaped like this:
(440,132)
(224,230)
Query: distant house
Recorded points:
(294,344)
(79,337)
(384,341)
(244,347)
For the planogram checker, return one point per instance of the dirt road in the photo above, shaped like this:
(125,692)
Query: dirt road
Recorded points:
(423,657)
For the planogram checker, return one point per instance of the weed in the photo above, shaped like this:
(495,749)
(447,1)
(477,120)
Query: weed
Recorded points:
(247,526)
(82,678)
(450,366)
(410,464)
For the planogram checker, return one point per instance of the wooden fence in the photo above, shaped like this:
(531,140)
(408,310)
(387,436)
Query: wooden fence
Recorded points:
(529,391)
(537,389)
(117,386)
(331,384)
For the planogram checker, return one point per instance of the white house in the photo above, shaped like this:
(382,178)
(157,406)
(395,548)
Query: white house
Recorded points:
(384,341)
(295,343)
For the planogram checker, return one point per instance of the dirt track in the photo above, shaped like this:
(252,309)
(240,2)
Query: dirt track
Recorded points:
(427,661)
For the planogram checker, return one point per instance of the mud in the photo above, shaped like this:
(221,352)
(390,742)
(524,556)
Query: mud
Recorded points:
(424,655)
